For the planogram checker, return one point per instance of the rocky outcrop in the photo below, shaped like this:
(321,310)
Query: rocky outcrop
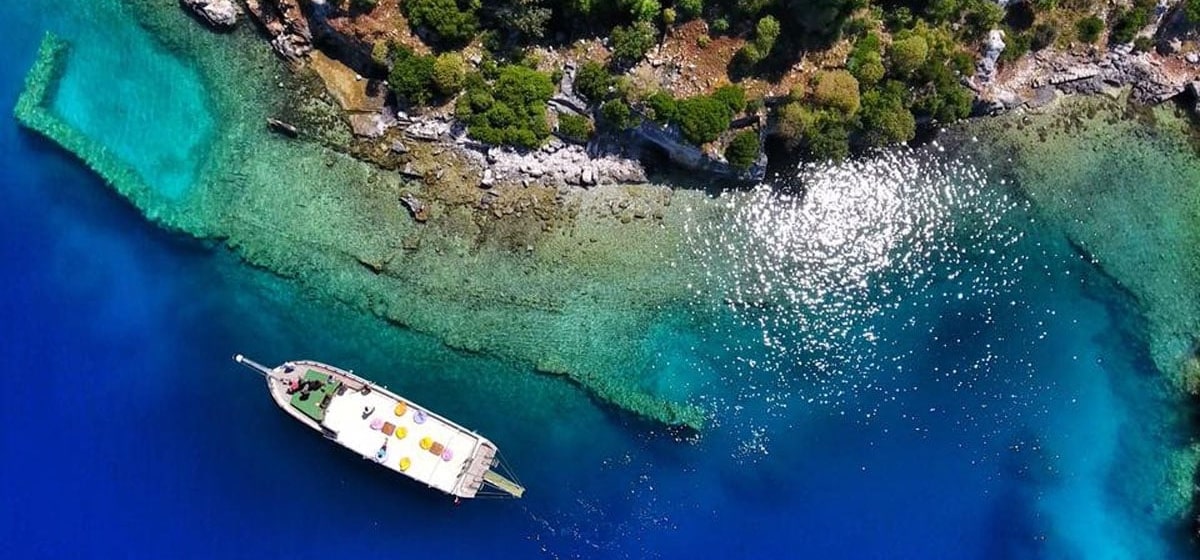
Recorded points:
(557,164)
(1152,78)
(986,70)
(220,14)
(286,25)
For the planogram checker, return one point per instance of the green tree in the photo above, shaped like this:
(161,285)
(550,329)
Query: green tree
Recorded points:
(455,23)
(703,118)
(907,54)
(632,43)
(742,150)
(526,17)
(449,73)
(836,89)
(1191,8)
(593,81)
(866,60)
(510,111)
(793,122)
(817,22)
(885,119)
(830,141)
(411,77)
(642,10)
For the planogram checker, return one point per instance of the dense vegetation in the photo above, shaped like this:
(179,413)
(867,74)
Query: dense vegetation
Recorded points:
(906,63)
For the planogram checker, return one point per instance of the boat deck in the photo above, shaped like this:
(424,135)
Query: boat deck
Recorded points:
(384,427)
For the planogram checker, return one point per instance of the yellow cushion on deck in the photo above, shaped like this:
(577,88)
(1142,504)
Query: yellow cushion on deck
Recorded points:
(401,432)
(405,462)
(401,408)
(426,443)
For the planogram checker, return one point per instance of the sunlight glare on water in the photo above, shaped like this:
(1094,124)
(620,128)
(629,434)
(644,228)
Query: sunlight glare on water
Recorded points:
(834,278)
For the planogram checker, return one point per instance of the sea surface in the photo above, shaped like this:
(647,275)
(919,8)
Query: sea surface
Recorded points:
(906,361)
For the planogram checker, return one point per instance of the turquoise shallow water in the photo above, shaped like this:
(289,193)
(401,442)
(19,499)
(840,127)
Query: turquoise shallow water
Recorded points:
(149,106)
(907,360)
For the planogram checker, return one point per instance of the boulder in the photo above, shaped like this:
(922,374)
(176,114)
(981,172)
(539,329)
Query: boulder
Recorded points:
(220,14)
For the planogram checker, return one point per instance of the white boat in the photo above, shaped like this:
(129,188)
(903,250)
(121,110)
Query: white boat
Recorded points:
(392,431)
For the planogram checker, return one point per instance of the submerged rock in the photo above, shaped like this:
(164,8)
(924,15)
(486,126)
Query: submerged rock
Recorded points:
(221,14)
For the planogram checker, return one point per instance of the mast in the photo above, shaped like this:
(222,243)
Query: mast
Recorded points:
(264,370)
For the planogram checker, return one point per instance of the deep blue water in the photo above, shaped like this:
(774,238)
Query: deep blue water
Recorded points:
(1005,414)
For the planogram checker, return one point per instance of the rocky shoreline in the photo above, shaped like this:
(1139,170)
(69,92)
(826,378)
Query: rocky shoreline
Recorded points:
(1038,79)
(299,31)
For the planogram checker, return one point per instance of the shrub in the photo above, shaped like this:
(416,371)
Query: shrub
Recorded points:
(1127,23)
(719,25)
(668,16)
(703,41)
(575,127)
(765,34)
(662,107)
(689,9)
(454,23)
(642,10)
(742,150)
(381,52)
(836,89)
(593,81)
(733,96)
(1089,29)
(744,58)
(1143,44)
(411,77)
(1191,8)
(703,118)
(449,73)
(908,54)
(981,16)
(751,7)
(1043,36)
(631,43)
(617,113)
(1017,45)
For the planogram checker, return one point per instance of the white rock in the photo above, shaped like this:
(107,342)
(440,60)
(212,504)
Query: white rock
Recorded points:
(222,14)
